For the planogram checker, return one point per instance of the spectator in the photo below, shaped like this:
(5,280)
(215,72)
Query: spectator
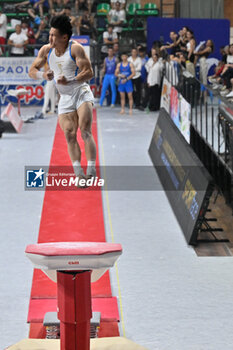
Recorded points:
(174,45)
(222,78)
(227,74)
(36,9)
(144,86)
(28,31)
(203,54)
(17,41)
(109,69)
(122,3)
(109,38)
(55,7)
(39,7)
(67,12)
(224,50)
(181,59)
(86,25)
(82,5)
(150,62)
(116,51)
(125,72)
(3,31)
(182,41)
(137,62)
(42,36)
(219,68)
(117,17)
(190,47)
(154,81)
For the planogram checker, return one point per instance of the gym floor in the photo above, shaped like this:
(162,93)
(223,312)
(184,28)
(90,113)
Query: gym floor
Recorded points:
(168,297)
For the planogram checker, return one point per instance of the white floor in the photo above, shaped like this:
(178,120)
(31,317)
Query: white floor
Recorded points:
(169,298)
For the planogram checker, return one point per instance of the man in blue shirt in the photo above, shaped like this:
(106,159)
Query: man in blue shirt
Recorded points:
(144,86)
(110,63)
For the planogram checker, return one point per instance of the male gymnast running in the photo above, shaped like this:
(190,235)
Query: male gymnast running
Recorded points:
(70,68)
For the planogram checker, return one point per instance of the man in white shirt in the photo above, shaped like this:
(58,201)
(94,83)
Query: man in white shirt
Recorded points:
(154,81)
(116,17)
(3,24)
(109,38)
(137,62)
(17,41)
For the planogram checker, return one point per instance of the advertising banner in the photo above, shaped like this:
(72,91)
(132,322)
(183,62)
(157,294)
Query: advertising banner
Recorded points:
(84,40)
(165,95)
(35,95)
(174,110)
(14,71)
(185,115)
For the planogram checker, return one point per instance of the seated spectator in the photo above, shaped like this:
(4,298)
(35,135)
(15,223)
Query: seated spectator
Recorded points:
(3,30)
(113,4)
(154,81)
(110,64)
(85,25)
(137,63)
(17,41)
(203,54)
(109,38)
(67,12)
(223,76)
(224,50)
(35,8)
(42,36)
(38,9)
(82,5)
(55,7)
(227,74)
(117,17)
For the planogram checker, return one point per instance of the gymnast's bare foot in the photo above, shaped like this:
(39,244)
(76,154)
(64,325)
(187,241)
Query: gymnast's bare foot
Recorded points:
(122,111)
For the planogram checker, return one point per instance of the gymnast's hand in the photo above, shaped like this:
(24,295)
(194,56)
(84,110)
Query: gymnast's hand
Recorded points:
(62,80)
(49,75)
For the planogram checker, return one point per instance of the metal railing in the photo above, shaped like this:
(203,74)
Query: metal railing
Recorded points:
(211,131)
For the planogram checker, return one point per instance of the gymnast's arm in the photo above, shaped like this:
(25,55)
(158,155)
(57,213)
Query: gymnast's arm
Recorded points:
(39,62)
(83,63)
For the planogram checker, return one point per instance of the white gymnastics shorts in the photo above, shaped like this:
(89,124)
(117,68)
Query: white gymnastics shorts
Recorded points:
(70,103)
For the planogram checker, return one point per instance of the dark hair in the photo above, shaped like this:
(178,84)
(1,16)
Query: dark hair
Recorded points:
(62,23)
(67,7)
(142,49)
(124,53)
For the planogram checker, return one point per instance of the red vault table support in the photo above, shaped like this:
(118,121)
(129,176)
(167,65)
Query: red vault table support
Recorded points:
(74,309)
(74,265)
